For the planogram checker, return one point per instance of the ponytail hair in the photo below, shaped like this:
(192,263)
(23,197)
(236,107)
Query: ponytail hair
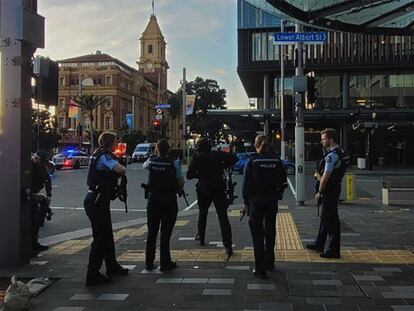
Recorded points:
(262,144)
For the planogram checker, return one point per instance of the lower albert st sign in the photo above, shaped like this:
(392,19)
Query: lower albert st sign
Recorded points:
(305,37)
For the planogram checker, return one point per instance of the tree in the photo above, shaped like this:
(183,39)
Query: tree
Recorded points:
(44,130)
(209,96)
(89,103)
(176,106)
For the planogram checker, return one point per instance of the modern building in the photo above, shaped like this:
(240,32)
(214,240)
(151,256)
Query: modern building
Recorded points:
(129,91)
(364,80)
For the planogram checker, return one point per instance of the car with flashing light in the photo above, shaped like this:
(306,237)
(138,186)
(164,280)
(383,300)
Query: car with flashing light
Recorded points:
(243,156)
(70,158)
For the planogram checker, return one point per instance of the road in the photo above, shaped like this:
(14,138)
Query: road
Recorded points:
(69,189)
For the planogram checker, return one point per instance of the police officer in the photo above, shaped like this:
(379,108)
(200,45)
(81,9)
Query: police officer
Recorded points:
(40,179)
(209,168)
(103,174)
(329,175)
(264,182)
(165,180)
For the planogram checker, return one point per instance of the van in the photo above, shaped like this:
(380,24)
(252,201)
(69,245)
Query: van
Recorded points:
(143,151)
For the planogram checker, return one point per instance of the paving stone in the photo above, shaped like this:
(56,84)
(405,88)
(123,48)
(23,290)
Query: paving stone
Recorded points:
(83,297)
(37,262)
(387,269)
(156,271)
(170,280)
(117,297)
(238,267)
(260,286)
(194,280)
(369,278)
(327,282)
(403,308)
(403,288)
(221,281)
(323,301)
(403,295)
(217,292)
(69,309)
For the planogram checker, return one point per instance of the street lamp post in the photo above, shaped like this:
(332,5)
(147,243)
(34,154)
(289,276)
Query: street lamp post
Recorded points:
(184,143)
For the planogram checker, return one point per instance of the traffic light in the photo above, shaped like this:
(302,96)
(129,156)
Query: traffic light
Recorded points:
(278,136)
(156,125)
(311,90)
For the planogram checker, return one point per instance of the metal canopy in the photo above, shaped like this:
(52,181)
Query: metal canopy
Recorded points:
(393,17)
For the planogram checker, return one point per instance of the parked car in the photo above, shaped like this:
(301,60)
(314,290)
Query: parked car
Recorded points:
(70,158)
(143,151)
(239,166)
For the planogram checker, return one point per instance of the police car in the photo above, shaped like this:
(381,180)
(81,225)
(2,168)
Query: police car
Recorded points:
(70,158)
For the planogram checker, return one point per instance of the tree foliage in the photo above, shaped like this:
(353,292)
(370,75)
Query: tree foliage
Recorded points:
(209,95)
(44,130)
(176,106)
(131,138)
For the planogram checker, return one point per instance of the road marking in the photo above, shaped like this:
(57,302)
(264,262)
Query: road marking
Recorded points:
(190,206)
(291,187)
(81,208)
(368,180)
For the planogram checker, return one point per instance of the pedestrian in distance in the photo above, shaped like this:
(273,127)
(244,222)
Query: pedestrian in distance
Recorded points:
(40,178)
(165,180)
(264,182)
(103,174)
(208,167)
(330,171)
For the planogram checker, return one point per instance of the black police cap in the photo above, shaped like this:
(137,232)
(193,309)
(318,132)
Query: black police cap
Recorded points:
(43,155)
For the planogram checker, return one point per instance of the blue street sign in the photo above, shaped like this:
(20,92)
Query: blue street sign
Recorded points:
(306,37)
(162,106)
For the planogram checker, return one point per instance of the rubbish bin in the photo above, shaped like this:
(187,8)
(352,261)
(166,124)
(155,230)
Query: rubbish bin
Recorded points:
(361,163)
(348,187)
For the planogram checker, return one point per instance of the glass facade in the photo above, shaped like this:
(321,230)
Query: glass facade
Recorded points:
(257,14)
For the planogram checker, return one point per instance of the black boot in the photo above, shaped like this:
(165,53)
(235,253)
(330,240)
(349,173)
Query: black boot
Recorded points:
(96,278)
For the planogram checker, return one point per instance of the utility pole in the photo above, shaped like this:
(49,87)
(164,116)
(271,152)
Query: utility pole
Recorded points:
(282,97)
(184,115)
(21,32)
(80,121)
(299,127)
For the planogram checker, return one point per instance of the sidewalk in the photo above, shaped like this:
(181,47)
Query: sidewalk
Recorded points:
(376,271)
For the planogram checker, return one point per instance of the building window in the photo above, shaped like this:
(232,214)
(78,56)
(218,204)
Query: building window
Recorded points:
(97,81)
(62,80)
(108,122)
(150,49)
(122,84)
(61,103)
(108,80)
(61,123)
(109,103)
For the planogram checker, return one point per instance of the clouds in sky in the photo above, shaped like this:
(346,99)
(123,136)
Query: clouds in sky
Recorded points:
(200,35)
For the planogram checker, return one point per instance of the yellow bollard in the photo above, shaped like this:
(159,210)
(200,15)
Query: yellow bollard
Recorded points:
(350,186)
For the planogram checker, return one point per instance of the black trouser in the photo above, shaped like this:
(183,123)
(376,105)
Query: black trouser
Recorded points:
(35,222)
(205,198)
(263,210)
(162,210)
(330,226)
(102,247)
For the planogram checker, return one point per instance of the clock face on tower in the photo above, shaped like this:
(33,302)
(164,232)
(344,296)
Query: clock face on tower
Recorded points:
(149,67)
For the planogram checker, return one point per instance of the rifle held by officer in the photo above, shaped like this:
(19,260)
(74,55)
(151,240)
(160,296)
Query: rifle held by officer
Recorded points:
(122,192)
(230,187)
(181,193)
(145,187)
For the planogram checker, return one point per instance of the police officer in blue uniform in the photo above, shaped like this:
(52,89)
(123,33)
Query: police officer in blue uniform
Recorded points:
(165,180)
(264,182)
(40,178)
(103,174)
(208,167)
(330,172)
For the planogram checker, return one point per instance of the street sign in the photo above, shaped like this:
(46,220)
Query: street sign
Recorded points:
(162,106)
(159,111)
(158,117)
(305,37)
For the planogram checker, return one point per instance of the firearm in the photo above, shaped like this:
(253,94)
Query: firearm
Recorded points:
(230,187)
(122,193)
(145,187)
(181,193)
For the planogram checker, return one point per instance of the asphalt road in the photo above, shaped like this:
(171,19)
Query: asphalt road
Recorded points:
(69,189)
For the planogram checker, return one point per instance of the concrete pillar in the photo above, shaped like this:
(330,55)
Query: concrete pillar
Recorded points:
(266,102)
(15,135)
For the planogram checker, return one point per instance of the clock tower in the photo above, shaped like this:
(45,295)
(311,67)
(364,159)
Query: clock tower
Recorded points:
(152,62)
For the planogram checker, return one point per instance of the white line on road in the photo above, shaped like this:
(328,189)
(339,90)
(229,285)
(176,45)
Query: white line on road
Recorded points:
(81,208)
(291,187)
(190,206)
(370,180)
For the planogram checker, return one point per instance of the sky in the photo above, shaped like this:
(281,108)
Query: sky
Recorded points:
(201,36)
